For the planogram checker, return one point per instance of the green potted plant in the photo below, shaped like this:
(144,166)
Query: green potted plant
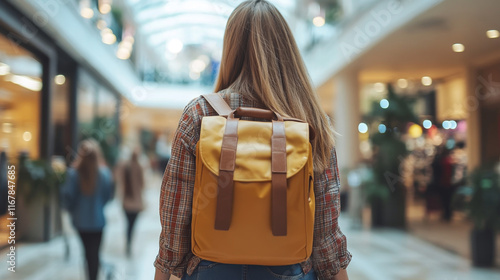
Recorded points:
(37,179)
(37,184)
(483,207)
(376,195)
(387,194)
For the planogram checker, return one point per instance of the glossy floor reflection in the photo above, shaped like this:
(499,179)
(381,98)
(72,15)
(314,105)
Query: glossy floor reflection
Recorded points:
(379,254)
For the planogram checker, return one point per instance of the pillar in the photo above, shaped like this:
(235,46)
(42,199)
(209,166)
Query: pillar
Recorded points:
(346,119)
(473,145)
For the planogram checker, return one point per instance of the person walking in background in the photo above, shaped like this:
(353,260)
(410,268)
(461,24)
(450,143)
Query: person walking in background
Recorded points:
(261,67)
(442,174)
(87,189)
(133,184)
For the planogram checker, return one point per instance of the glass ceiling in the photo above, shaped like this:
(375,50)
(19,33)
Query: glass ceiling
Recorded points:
(175,34)
(185,32)
(160,20)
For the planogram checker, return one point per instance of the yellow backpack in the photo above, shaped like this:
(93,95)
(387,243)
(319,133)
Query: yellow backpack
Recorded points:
(253,199)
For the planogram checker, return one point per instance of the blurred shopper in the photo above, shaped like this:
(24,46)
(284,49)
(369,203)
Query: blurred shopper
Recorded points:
(261,67)
(88,187)
(133,184)
(459,158)
(442,172)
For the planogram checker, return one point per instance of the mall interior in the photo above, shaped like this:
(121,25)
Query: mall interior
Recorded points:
(412,87)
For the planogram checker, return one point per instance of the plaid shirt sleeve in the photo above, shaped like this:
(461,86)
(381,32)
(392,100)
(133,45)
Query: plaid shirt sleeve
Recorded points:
(176,196)
(329,246)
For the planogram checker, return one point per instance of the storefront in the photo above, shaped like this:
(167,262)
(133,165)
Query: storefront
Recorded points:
(27,65)
(21,86)
(48,103)
(20,98)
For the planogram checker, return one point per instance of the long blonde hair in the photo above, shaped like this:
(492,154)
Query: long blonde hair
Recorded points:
(87,165)
(261,61)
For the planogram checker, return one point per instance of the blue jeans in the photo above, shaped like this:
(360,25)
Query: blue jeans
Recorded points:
(208,270)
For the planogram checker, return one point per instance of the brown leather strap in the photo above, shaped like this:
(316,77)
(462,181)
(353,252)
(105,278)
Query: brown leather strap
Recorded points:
(223,109)
(269,115)
(257,113)
(224,209)
(227,164)
(218,103)
(279,184)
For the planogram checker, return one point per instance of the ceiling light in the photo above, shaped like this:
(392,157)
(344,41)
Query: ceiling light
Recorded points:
(458,47)
(319,21)
(426,81)
(446,124)
(204,58)
(175,46)
(453,124)
(492,34)
(384,103)
(108,37)
(123,53)
(379,87)
(363,128)
(4,69)
(197,66)
(106,31)
(27,136)
(25,82)
(403,83)
(415,131)
(7,127)
(86,12)
(125,45)
(105,8)
(59,79)
(101,24)
(427,124)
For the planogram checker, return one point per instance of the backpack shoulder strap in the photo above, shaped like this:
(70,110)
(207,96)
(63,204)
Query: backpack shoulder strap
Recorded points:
(218,103)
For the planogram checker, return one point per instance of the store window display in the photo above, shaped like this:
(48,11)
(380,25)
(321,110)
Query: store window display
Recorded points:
(20,86)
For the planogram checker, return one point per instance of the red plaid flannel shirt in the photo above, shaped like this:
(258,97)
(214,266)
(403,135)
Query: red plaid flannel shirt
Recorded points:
(329,246)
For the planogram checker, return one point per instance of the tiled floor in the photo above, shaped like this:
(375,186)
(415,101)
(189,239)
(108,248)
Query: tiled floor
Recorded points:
(453,236)
(380,254)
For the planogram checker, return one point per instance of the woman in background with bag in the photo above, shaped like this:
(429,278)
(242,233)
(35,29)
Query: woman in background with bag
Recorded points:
(87,189)
(133,184)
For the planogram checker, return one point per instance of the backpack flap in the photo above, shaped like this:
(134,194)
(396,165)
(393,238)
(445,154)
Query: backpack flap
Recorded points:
(253,155)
